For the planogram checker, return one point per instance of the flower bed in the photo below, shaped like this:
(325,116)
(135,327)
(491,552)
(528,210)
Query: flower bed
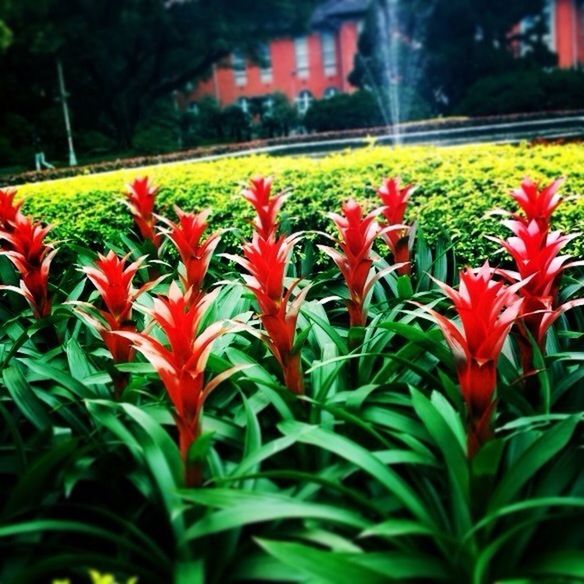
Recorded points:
(175,413)
(457,188)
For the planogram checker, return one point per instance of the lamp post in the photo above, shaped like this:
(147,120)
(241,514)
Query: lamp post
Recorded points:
(63,99)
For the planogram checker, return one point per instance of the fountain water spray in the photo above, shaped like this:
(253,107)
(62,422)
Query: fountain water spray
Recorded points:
(397,57)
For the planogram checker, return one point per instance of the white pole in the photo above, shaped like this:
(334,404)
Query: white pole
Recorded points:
(63,98)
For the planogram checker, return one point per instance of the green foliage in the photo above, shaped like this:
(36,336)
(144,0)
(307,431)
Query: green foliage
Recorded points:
(458,187)
(365,477)
(527,91)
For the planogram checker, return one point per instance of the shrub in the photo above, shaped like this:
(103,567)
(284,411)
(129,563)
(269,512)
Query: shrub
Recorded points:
(457,188)
(526,91)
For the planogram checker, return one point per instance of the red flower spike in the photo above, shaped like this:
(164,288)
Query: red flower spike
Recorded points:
(32,258)
(259,194)
(195,254)
(266,262)
(181,364)
(537,203)
(266,259)
(9,210)
(536,254)
(487,309)
(141,197)
(395,200)
(357,235)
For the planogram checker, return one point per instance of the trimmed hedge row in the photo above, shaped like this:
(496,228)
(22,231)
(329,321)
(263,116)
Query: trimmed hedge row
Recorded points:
(458,186)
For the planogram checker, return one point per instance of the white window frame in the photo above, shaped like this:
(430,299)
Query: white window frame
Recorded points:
(329,53)
(239,66)
(266,73)
(302,53)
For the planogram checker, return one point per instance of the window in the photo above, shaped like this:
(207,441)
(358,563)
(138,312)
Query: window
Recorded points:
(329,53)
(265,63)
(303,101)
(302,63)
(243,103)
(239,67)
(549,19)
(330,92)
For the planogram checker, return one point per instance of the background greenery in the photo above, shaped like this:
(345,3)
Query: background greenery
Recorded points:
(458,186)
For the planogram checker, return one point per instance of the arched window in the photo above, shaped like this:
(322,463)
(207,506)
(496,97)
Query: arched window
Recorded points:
(330,92)
(303,101)
(243,103)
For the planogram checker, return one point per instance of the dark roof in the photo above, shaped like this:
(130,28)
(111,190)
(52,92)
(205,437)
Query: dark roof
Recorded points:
(331,12)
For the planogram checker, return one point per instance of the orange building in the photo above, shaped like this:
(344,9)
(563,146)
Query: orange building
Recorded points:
(304,68)
(317,65)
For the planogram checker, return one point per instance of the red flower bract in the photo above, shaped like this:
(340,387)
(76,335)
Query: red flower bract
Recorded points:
(536,252)
(141,197)
(487,309)
(395,201)
(9,210)
(32,258)
(267,207)
(357,234)
(537,203)
(266,259)
(195,254)
(113,280)
(181,364)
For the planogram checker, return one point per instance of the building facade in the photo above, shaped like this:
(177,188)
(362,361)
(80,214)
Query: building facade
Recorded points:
(317,65)
(304,68)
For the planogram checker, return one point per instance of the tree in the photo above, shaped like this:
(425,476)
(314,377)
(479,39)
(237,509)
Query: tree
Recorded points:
(443,47)
(122,57)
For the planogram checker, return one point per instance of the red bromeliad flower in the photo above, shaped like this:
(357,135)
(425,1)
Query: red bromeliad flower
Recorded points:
(32,258)
(537,203)
(181,364)
(141,197)
(266,261)
(113,280)
(487,310)
(195,254)
(536,253)
(9,210)
(259,194)
(357,235)
(395,201)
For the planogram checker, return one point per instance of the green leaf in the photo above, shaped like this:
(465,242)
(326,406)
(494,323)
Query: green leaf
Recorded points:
(565,564)
(25,398)
(241,508)
(548,445)
(440,428)
(353,452)
(404,288)
(323,566)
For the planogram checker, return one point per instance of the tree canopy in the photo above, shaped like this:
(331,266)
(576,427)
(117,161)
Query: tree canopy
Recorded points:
(122,58)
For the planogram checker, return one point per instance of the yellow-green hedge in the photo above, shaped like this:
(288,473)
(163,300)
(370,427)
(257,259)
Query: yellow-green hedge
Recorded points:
(457,187)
